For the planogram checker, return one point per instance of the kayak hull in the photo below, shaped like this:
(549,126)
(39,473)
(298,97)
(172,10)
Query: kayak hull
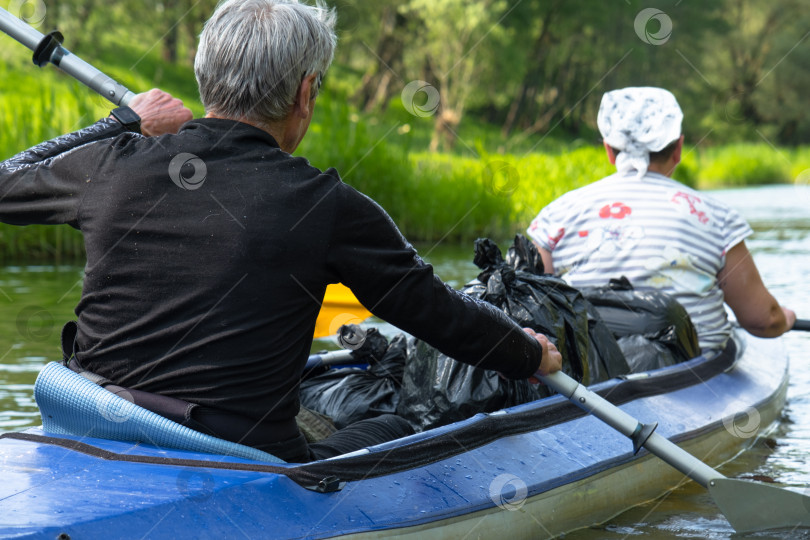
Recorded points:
(536,484)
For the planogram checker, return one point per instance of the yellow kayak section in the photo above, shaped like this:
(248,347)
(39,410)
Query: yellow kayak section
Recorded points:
(340,307)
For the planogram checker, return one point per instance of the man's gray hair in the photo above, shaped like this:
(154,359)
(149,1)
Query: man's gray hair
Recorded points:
(253,55)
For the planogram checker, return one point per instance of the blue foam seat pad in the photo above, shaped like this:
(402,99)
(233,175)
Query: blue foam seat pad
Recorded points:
(73,405)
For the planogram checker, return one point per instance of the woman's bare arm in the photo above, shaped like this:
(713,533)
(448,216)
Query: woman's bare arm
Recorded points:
(755,308)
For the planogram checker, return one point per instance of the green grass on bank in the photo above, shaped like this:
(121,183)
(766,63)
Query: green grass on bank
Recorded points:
(458,197)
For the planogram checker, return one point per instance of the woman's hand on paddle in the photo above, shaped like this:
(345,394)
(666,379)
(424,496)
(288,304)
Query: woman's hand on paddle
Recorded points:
(160,112)
(551,360)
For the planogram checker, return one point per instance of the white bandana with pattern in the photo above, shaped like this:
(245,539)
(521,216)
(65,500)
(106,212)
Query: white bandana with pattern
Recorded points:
(637,121)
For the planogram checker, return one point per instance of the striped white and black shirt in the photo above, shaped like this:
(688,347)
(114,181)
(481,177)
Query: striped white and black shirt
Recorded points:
(655,231)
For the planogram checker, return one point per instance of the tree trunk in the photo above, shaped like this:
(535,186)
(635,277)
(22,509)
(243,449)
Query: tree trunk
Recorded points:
(533,80)
(376,88)
(169,51)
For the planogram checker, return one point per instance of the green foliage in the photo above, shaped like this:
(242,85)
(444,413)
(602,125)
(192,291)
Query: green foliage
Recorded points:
(490,185)
(35,109)
(40,104)
(57,244)
(372,161)
(27,118)
(743,165)
(474,191)
(432,197)
(738,67)
(688,170)
(459,65)
(441,196)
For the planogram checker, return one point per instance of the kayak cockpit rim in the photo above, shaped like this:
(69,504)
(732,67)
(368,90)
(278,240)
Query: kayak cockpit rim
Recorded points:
(436,444)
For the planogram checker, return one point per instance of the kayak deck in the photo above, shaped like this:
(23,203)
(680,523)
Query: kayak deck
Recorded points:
(529,484)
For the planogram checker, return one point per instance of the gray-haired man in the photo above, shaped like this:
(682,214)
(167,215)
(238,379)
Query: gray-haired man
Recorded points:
(209,250)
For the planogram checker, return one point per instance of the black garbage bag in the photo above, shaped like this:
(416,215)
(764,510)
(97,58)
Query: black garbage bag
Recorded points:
(652,328)
(549,306)
(438,390)
(351,394)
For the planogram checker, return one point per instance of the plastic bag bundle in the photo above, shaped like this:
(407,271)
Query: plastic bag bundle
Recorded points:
(351,394)
(438,390)
(653,330)
(548,305)
(429,389)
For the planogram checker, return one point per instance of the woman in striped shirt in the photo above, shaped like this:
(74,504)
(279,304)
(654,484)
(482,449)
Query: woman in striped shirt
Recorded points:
(660,234)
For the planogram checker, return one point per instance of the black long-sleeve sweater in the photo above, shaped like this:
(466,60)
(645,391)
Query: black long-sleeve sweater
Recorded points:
(205,272)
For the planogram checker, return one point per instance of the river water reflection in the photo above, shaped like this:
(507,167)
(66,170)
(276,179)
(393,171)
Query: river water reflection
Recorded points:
(35,301)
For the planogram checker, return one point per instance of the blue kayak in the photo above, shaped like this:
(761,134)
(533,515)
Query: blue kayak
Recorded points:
(533,471)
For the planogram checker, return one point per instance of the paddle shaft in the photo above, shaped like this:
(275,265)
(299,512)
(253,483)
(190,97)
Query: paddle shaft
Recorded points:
(628,426)
(329,359)
(802,324)
(65,60)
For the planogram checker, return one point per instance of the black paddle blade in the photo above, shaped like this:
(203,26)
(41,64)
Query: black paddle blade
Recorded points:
(750,506)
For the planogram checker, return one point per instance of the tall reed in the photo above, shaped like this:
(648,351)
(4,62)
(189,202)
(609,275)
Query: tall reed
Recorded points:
(34,109)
